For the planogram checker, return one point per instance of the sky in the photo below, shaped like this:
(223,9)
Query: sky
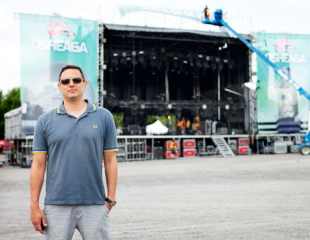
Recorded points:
(245,16)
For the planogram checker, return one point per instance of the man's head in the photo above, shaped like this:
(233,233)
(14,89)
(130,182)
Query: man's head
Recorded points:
(72,83)
(71,67)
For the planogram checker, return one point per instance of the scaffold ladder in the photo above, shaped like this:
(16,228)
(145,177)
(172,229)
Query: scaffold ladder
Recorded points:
(222,146)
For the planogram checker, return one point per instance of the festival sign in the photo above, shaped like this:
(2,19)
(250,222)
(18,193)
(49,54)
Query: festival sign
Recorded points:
(48,44)
(280,108)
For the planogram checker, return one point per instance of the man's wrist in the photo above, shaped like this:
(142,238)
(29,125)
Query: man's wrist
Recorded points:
(111,202)
(33,207)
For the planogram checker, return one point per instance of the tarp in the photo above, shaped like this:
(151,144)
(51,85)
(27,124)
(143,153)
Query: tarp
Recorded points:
(156,128)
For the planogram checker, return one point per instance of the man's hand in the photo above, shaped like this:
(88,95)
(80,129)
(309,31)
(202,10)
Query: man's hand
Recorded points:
(36,217)
(36,182)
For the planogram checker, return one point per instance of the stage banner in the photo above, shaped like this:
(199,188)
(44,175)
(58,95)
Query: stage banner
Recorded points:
(48,44)
(280,108)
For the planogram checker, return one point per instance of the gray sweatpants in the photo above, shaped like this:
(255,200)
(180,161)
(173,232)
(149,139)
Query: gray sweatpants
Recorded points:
(92,221)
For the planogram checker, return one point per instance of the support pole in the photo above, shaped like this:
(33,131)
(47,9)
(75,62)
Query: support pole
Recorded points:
(219,93)
(167,85)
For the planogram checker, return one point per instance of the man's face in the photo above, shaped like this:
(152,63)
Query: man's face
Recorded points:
(72,90)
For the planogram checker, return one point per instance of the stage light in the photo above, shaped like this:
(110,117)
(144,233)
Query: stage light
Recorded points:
(221,65)
(185,62)
(175,58)
(142,106)
(141,52)
(134,53)
(204,106)
(141,60)
(208,58)
(213,65)
(200,56)
(169,106)
(115,54)
(227,107)
(220,48)
(124,54)
(128,59)
(205,65)
(225,46)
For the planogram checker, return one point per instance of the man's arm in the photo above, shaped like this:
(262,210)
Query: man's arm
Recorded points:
(110,164)
(36,182)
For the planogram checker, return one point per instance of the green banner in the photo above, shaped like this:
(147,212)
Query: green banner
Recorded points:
(48,44)
(280,108)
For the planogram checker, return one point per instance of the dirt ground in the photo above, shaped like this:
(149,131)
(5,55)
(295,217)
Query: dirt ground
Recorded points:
(246,197)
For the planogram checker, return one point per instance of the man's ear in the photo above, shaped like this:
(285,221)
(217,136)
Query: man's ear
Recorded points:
(58,85)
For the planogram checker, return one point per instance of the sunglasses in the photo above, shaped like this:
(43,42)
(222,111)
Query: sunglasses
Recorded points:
(67,80)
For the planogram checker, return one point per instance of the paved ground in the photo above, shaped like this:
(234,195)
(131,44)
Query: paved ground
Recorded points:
(248,197)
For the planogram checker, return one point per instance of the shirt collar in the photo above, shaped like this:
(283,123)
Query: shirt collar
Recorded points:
(90,108)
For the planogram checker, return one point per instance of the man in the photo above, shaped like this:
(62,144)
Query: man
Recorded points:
(173,148)
(206,13)
(70,142)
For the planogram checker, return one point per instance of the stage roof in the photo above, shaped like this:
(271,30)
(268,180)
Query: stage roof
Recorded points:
(170,30)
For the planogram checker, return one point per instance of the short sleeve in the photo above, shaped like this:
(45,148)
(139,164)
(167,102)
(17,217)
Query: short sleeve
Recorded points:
(39,141)
(110,140)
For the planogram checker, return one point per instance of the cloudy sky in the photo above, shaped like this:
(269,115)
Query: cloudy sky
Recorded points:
(245,16)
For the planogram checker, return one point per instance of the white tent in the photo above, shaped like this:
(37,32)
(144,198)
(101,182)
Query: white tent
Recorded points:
(156,128)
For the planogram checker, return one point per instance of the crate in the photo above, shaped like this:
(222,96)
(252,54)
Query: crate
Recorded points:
(167,144)
(168,154)
(279,147)
(242,150)
(189,143)
(121,157)
(158,153)
(243,142)
(189,152)
(293,148)
(232,143)
(200,144)
(121,149)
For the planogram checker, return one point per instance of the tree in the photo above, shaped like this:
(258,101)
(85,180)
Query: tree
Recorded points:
(8,102)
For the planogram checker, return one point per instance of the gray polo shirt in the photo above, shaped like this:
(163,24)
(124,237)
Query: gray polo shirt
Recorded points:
(75,149)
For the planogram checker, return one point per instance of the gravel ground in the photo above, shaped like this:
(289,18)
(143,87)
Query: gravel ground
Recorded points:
(247,197)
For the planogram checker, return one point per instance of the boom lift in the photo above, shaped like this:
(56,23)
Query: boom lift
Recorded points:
(304,147)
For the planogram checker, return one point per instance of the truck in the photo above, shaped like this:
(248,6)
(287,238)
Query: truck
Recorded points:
(304,147)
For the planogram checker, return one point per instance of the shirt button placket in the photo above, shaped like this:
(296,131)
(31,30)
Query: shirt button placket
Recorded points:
(77,124)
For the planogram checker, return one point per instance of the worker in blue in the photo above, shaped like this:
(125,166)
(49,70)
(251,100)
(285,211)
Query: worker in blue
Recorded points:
(70,144)
(206,13)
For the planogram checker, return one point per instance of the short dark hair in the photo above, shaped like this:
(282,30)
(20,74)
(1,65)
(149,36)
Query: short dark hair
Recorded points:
(71,67)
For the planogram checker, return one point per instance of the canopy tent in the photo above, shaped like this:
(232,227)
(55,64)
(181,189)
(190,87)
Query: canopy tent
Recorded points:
(156,128)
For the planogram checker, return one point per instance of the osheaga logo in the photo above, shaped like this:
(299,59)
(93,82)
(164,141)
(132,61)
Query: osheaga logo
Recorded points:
(55,29)
(283,44)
